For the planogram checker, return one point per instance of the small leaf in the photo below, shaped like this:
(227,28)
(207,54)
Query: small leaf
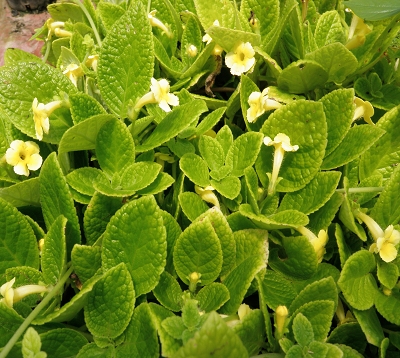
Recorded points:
(198,250)
(86,261)
(161,183)
(251,243)
(212,296)
(138,176)
(388,306)
(54,251)
(210,10)
(110,304)
(356,282)
(31,343)
(195,168)
(371,326)
(303,330)
(228,187)
(168,292)
(82,179)
(213,336)
(302,76)
(388,274)
(115,149)
(329,29)
(56,200)
(238,281)
(84,106)
(212,152)
(192,205)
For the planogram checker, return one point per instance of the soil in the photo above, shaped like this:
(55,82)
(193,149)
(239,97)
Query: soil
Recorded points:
(16,28)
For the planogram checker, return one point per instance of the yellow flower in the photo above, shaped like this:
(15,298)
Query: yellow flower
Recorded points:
(160,90)
(386,245)
(56,27)
(318,242)
(13,295)
(357,32)
(281,315)
(363,109)
(207,195)
(241,59)
(73,72)
(41,113)
(243,311)
(192,51)
(23,156)
(92,62)
(259,103)
(282,144)
(157,23)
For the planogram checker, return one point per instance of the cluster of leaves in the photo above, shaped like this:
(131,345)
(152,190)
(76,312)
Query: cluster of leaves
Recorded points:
(136,260)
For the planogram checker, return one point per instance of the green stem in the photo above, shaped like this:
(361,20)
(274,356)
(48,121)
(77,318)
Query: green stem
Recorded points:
(7,348)
(370,189)
(46,55)
(96,34)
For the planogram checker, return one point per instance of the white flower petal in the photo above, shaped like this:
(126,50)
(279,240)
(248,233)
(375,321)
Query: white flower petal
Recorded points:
(164,106)
(35,162)
(21,169)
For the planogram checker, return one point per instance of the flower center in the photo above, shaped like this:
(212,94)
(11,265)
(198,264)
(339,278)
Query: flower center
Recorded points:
(241,56)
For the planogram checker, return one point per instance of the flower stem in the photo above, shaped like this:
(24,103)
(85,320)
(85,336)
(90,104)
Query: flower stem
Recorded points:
(7,348)
(361,190)
(96,34)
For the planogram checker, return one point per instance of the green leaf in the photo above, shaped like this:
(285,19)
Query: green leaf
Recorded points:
(14,55)
(54,251)
(84,106)
(140,336)
(191,36)
(238,282)
(357,140)
(161,183)
(336,59)
(325,350)
(324,289)
(198,249)
(265,11)
(302,330)
(71,308)
(212,296)
(109,13)
(97,215)
(10,321)
(344,251)
(92,350)
(275,289)
(322,218)
(82,179)
(25,193)
(349,334)
(192,205)
(210,121)
(16,96)
(31,343)
(386,210)
(251,331)
(339,110)
(384,154)
(300,262)
(213,336)
(140,175)
(86,261)
(168,292)
(329,29)
(83,135)
(190,314)
(302,76)
(228,187)
(388,306)
(56,200)
(251,181)
(212,152)
(388,273)
(373,11)
(228,39)
(243,152)
(136,236)
(174,326)
(173,123)
(251,243)
(115,149)
(195,168)
(110,304)
(210,10)
(225,138)
(295,119)
(356,282)
(225,236)
(19,246)
(125,76)
(320,314)
(314,195)
(169,345)
(370,324)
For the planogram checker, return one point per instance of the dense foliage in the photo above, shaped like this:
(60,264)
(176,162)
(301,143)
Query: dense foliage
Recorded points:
(202,178)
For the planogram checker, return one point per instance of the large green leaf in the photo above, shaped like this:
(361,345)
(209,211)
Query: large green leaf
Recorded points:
(136,236)
(374,11)
(126,60)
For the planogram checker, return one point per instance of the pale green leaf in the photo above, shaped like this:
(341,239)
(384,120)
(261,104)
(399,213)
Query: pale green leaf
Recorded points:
(192,205)
(302,330)
(329,29)
(25,193)
(195,168)
(212,296)
(86,261)
(168,292)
